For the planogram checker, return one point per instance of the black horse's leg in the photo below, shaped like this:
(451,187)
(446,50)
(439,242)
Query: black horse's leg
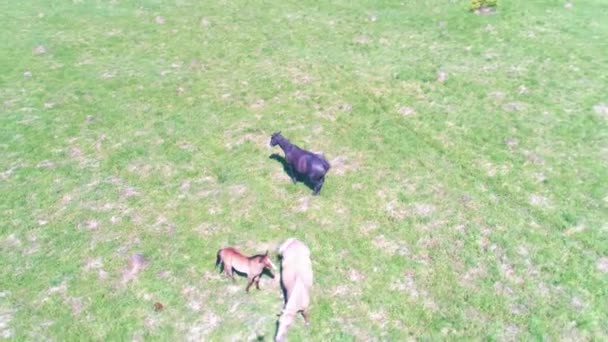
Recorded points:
(318,185)
(291,172)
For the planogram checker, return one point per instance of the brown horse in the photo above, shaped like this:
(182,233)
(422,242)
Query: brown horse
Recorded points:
(231,259)
(296,279)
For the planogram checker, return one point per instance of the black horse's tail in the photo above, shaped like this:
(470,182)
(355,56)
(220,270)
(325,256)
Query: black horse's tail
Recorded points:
(218,259)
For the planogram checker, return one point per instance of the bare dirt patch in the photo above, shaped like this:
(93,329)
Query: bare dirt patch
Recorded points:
(522,89)
(423,209)
(396,210)
(199,330)
(514,107)
(4,175)
(45,164)
(355,276)
(408,285)
(511,142)
(357,186)
(379,317)
(235,138)
(39,50)
(575,230)
(136,264)
(96,265)
(195,299)
(502,289)
(602,264)
(406,111)
(258,104)
(363,40)
(256,247)
(106,75)
(60,289)
(129,192)
(237,190)
(345,291)
(303,204)
(470,277)
(533,157)
(330,113)
(493,170)
(12,241)
(390,247)
(92,224)
(352,328)
(485,11)
(164,225)
(75,304)
(368,227)
(342,165)
(578,303)
(601,109)
(207,229)
(538,200)
(209,276)
(510,333)
(5,319)
(300,77)
(442,76)
(498,96)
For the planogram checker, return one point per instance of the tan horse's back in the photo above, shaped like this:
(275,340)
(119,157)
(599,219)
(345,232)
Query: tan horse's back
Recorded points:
(296,263)
(297,279)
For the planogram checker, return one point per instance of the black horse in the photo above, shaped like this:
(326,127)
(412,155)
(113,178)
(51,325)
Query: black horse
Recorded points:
(302,162)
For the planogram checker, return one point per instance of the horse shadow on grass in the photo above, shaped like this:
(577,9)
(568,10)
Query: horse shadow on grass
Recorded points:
(283,291)
(299,178)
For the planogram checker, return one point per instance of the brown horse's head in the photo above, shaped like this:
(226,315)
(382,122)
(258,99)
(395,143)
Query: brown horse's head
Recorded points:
(265,260)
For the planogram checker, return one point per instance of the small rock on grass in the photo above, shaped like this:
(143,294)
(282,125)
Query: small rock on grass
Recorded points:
(442,76)
(602,264)
(40,50)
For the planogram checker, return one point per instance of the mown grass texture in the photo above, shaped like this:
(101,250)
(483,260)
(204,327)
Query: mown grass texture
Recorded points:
(467,196)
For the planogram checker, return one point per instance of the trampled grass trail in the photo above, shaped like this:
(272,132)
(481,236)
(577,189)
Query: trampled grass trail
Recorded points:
(467,197)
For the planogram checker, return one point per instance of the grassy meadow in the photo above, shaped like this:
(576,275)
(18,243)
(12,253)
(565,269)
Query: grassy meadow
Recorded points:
(467,200)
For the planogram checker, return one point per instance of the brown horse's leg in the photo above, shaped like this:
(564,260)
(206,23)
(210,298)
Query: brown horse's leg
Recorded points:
(228,269)
(257,282)
(249,283)
(306,315)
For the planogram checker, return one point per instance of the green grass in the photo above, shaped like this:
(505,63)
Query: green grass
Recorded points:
(474,208)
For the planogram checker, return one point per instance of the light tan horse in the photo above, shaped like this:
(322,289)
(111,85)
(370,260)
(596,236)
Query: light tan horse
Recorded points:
(296,280)
(230,258)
